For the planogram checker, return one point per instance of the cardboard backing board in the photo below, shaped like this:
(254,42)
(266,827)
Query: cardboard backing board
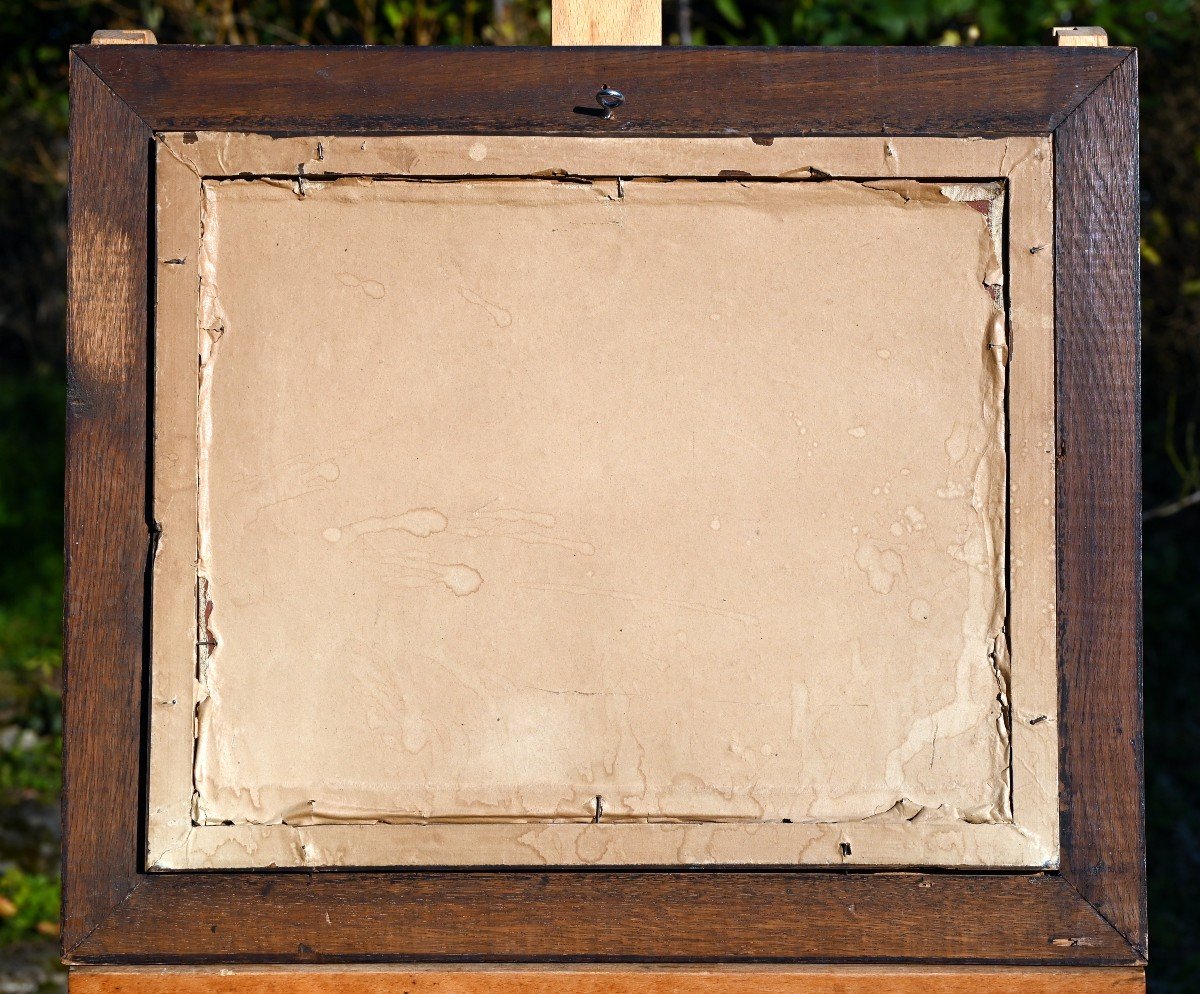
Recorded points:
(519,520)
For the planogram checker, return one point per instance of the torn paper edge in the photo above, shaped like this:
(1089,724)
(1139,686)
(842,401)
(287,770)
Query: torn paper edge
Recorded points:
(184,157)
(220,802)
(174,653)
(1032,448)
(859,844)
(227,154)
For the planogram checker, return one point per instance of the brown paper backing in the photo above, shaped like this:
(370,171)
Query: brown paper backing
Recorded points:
(728,771)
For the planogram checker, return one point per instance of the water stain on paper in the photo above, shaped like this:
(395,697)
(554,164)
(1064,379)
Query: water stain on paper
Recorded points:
(882,566)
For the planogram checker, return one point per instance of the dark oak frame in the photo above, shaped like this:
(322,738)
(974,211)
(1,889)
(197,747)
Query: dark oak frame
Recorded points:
(1091,912)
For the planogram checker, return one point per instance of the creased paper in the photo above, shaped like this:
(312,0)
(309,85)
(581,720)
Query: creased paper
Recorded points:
(624,501)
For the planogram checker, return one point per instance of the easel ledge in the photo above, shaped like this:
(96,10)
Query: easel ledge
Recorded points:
(617,980)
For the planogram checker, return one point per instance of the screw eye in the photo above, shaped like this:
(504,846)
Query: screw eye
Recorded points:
(609,99)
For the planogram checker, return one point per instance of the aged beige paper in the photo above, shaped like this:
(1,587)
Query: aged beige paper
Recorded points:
(515,495)
(675,506)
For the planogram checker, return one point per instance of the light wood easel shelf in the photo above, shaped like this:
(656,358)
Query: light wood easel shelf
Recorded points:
(616,980)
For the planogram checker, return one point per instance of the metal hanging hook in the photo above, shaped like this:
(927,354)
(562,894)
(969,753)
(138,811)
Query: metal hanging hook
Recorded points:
(609,99)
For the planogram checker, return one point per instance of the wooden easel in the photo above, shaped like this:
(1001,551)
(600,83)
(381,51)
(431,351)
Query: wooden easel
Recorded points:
(604,22)
(595,22)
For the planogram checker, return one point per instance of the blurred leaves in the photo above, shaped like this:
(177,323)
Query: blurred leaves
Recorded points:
(31,461)
(925,22)
(28,905)
(728,9)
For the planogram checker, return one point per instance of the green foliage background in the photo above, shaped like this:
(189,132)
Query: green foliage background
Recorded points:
(34,39)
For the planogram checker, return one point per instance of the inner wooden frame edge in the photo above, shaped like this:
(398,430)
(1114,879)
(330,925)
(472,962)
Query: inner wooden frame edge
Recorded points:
(1030,841)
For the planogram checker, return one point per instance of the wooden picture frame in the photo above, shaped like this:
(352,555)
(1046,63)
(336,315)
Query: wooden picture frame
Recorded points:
(1091,911)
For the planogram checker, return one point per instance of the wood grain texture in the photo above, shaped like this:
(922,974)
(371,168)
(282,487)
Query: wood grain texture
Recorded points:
(115,913)
(606,22)
(124,36)
(989,92)
(1083,35)
(1097,317)
(816,980)
(573,916)
(106,523)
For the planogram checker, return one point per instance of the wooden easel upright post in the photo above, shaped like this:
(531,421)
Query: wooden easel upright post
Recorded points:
(597,22)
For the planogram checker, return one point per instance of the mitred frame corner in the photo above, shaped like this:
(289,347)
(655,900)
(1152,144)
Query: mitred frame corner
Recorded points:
(1091,912)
